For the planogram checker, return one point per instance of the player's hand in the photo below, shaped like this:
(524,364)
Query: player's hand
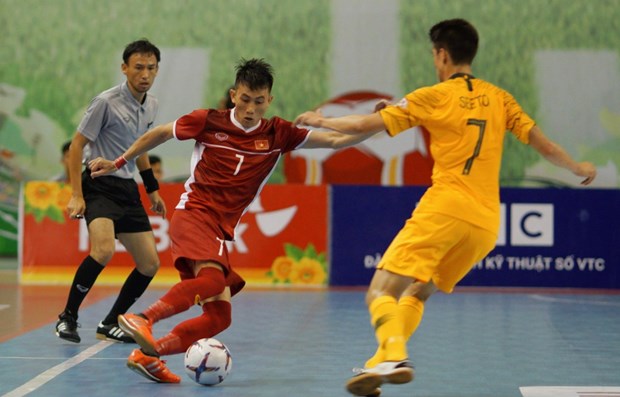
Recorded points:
(311,119)
(586,169)
(100,167)
(157,204)
(76,207)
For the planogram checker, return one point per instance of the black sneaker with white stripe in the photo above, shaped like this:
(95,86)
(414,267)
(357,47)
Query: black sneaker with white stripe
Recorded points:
(66,327)
(114,333)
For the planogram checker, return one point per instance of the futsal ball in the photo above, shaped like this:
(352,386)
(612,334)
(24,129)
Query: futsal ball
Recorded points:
(208,361)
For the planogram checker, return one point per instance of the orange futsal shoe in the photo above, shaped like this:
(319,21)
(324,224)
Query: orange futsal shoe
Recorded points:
(139,329)
(151,367)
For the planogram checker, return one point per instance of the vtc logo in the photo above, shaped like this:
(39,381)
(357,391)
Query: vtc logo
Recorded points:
(530,225)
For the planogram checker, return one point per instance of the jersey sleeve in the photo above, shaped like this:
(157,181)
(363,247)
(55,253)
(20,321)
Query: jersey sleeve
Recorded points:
(190,125)
(517,121)
(410,111)
(94,118)
(290,136)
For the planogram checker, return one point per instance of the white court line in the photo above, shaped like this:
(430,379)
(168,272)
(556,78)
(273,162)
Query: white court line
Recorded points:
(570,391)
(53,372)
(2,307)
(575,300)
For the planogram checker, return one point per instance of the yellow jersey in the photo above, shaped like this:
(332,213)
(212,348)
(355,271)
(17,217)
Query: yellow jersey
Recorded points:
(467,119)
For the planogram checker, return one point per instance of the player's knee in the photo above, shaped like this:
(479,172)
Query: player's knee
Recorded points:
(216,280)
(371,295)
(425,291)
(422,297)
(102,253)
(149,268)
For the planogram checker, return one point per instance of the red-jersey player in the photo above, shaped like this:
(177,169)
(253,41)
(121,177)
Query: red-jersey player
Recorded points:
(236,151)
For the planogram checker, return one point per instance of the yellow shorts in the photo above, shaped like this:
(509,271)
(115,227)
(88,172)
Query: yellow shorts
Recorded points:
(437,247)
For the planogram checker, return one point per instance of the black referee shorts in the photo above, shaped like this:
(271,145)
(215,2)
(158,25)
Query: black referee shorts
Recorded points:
(117,199)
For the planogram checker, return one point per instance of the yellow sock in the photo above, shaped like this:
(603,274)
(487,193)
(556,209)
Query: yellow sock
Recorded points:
(410,310)
(379,357)
(388,327)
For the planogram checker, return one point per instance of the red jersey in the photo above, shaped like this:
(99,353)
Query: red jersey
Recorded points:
(231,164)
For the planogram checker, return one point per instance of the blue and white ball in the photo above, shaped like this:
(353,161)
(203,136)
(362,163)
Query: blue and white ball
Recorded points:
(208,362)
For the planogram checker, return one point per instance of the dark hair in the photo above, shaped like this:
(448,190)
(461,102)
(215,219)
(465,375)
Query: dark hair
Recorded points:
(255,73)
(458,37)
(228,103)
(142,46)
(154,159)
(65,147)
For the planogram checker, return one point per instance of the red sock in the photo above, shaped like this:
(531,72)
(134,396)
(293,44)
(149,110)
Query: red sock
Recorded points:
(216,317)
(209,282)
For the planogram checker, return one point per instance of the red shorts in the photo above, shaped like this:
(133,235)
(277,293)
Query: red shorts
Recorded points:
(195,236)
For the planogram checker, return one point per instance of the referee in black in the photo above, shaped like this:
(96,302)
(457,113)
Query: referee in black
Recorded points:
(111,205)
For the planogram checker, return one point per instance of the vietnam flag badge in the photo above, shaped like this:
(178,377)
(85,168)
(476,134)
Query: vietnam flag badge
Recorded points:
(261,144)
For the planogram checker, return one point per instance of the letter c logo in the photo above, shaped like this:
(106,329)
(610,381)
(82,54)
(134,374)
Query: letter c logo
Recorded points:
(524,229)
(531,225)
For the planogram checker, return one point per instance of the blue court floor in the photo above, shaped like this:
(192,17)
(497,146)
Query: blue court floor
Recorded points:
(302,344)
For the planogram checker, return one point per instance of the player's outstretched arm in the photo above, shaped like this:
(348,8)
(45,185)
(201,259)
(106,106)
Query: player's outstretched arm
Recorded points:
(555,154)
(146,142)
(351,124)
(334,139)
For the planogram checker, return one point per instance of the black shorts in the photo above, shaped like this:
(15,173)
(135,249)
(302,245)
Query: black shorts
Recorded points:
(117,199)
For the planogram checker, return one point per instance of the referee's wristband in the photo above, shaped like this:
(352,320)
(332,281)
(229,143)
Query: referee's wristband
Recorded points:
(120,162)
(150,182)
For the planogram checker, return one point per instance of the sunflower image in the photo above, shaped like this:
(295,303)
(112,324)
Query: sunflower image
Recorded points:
(281,268)
(41,195)
(308,271)
(299,266)
(63,197)
(46,200)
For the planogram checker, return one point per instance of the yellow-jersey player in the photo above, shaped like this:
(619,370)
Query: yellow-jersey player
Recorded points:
(456,222)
